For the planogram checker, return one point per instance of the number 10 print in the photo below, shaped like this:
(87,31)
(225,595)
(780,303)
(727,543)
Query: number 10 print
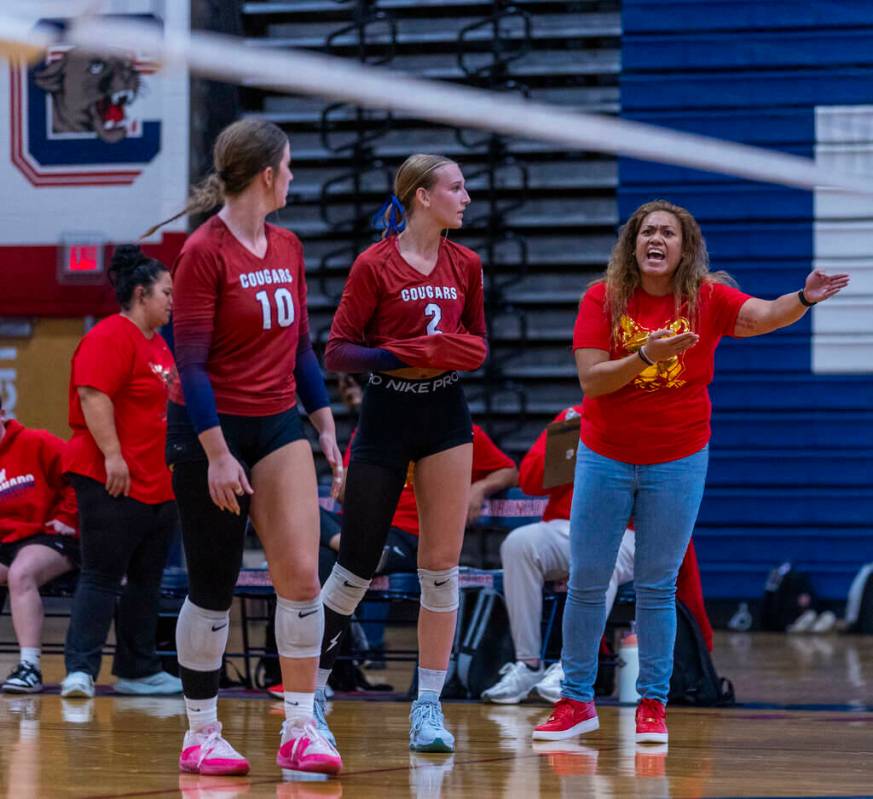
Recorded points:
(284,308)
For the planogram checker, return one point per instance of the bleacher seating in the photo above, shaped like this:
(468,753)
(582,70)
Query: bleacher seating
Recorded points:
(543,218)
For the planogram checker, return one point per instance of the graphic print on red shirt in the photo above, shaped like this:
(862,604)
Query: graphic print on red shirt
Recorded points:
(664,413)
(35,497)
(116,358)
(386,302)
(242,316)
(487,458)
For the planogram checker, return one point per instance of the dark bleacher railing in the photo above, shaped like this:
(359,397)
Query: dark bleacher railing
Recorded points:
(542,218)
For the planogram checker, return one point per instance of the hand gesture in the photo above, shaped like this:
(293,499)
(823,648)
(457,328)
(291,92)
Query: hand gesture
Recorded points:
(227,481)
(327,442)
(819,286)
(661,345)
(117,475)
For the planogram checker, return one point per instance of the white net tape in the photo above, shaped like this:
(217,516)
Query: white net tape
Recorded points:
(230,59)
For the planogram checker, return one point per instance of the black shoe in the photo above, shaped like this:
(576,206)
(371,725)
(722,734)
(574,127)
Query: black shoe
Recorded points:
(25,678)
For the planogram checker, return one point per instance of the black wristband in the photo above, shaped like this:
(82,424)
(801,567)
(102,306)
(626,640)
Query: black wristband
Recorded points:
(803,301)
(645,358)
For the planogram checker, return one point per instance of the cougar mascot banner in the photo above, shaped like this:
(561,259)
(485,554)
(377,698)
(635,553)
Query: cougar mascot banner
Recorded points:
(92,149)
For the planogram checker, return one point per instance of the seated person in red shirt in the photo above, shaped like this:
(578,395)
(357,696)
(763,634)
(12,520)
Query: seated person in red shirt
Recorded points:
(39,538)
(538,552)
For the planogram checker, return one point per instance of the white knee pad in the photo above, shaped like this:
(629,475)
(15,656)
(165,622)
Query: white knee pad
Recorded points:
(299,627)
(343,591)
(201,636)
(439,590)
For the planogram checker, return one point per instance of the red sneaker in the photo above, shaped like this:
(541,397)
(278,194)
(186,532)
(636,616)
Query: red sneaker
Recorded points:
(569,718)
(651,722)
(277,691)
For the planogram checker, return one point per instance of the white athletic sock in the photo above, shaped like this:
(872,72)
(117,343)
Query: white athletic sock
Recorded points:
(298,707)
(321,679)
(201,712)
(431,680)
(30,654)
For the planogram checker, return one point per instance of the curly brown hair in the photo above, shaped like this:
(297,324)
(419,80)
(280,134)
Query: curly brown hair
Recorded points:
(622,276)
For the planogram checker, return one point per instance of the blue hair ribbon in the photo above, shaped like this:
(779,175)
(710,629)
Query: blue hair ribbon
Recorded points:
(390,218)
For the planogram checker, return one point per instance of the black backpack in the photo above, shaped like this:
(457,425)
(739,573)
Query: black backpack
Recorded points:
(787,594)
(694,680)
(484,646)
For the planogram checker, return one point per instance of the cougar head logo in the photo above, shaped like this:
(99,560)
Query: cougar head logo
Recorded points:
(89,93)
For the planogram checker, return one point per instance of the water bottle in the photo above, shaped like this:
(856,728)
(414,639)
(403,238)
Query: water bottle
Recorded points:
(628,667)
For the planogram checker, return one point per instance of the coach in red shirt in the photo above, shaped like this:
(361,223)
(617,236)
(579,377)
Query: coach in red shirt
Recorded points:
(118,412)
(540,551)
(645,341)
(38,536)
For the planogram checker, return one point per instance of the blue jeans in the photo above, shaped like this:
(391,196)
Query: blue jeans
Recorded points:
(663,499)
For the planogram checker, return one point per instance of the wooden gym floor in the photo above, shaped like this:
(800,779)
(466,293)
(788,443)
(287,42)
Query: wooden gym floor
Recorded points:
(804,728)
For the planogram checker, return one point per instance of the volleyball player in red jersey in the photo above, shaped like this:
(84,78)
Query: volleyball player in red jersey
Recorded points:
(236,442)
(411,313)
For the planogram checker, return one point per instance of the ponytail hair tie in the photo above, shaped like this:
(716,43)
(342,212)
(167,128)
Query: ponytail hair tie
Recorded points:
(391,217)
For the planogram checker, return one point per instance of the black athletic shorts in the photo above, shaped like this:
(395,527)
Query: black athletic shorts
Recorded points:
(407,420)
(249,438)
(66,545)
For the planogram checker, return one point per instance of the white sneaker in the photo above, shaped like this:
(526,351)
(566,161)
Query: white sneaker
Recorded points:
(514,685)
(205,751)
(78,683)
(804,623)
(825,623)
(549,687)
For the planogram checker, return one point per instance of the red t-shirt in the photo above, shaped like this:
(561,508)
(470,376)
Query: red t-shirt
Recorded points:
(487,458)
(242,316)
(532,469)
(664,413)
(116,358)
(35,498)
(387,300)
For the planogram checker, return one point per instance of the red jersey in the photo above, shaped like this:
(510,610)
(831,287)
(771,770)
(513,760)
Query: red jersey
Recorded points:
(532,468)
(116,358)
(242,316)
(487,458)
(689,591)
(34,495)
(664,413)
(387,301)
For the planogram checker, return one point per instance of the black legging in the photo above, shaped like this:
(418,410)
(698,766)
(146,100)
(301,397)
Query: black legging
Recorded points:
(370,501)
(213,538)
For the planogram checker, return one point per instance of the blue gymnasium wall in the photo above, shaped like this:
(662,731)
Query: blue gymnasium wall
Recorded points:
(792,451)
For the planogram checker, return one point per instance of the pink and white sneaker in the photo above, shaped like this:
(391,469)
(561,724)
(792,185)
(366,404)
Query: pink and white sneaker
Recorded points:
(304,748)
(206,752)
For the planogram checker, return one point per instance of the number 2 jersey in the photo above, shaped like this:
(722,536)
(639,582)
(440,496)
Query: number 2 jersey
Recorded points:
(242,316)
(386,301)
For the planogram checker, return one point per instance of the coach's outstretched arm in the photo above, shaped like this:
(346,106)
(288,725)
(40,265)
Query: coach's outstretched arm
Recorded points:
(757,316)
